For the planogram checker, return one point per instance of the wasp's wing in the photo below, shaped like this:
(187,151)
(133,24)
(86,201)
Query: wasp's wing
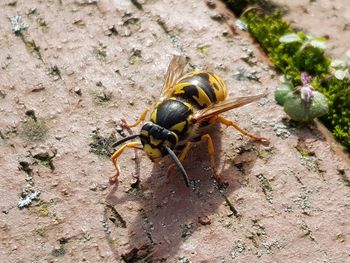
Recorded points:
(175,69)
(222,106)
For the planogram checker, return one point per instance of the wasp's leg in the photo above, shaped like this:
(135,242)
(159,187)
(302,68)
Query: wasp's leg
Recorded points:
(117,153)
(211,151)
(227,122)
(181,158)
(139,120)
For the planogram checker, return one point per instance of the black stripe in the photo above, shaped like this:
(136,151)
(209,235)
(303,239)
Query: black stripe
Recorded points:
(202,81)
(190,92)
(171,112)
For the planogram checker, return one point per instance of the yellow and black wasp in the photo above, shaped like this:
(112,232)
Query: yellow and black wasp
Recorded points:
(187,103)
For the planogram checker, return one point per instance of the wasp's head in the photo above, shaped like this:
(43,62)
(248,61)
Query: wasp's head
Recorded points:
(157,140)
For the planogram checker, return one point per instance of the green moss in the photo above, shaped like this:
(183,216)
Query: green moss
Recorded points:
(338,119)
(303,150)
(32,47)
(203,48)
(34,130)
(290,58)
(45,158)
(266,187)
(101,145)
(301,56)
(101,94)
(40,231)
(44,211)
(100,52)
(135,57)
(58,252)
(54,71)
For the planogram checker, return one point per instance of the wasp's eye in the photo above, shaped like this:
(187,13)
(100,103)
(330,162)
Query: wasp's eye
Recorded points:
(172,138)
(147,126)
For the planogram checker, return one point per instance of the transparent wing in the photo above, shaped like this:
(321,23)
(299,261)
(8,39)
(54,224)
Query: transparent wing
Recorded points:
(222,106)
(175,69)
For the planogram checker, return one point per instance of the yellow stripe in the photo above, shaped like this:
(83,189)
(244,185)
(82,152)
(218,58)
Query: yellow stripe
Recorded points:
(154,141)
(152,152)
(178,126)
(188,105)
(154,115)
(221,92)
(143,132)
(202,99)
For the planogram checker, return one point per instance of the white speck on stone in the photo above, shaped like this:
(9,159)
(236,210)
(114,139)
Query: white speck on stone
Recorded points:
(17,24)
(27,200)
(281,130)
(241,25)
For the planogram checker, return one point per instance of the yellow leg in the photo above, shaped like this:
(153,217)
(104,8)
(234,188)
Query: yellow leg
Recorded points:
(139,120)
(227,122)
(117,153)
(211,151)
(181,158)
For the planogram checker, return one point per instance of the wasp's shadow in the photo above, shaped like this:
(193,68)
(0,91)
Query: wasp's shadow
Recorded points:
(169,211)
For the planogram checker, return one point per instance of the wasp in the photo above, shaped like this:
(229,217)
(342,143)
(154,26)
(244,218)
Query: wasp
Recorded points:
(186,105)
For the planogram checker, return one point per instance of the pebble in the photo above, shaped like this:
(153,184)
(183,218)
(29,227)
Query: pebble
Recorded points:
(204,220)
(77,91)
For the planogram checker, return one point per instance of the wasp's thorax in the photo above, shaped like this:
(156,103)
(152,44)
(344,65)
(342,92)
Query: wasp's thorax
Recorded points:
(155,139)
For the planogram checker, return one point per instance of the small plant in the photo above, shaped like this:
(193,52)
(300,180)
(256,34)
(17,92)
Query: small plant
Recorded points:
(298,53)
(34,130)
(283,89)
(341,68)
(292,53)
(301,103)
(305,40)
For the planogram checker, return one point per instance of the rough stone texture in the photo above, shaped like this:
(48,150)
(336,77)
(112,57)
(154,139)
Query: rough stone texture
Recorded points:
(287,200)
(322,18)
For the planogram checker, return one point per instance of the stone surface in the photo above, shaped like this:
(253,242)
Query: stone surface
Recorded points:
(98,61)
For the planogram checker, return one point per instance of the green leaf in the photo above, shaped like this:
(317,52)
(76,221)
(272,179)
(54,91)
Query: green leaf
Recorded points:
(296,109)
(290,38)
(285,78)
(308,37)
(338,64)
(282,91)
(341,74)
(348,54)
(318,44)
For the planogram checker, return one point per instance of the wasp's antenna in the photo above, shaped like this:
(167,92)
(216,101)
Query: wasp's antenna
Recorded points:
(125,140)
(179,165)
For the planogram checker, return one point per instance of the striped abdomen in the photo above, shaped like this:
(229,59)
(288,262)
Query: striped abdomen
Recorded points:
(200,88)
(195,90)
